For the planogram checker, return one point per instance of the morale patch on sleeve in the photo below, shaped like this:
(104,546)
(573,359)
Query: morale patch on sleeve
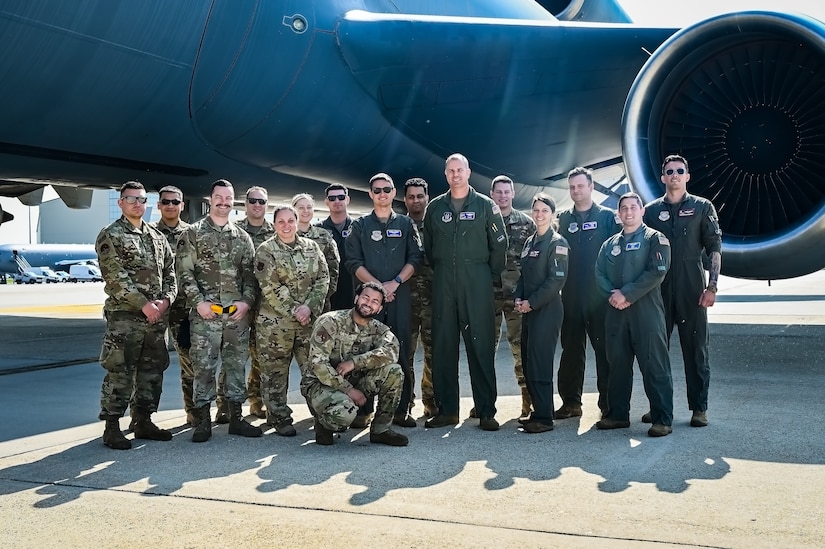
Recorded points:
(104,249)
(500,238)
(663,240)
(661,267)
(559,273)
(260,266)
(561,250)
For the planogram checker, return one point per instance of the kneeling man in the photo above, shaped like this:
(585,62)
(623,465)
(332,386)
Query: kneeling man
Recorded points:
(353,357)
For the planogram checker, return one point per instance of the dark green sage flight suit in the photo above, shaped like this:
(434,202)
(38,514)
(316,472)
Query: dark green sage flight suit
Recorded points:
(636,264)
(467,250)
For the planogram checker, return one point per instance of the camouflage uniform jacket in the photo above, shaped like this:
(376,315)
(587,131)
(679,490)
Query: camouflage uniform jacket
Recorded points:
(259,235)
(336,338)
(519,228)
(290,276)
(330,250)
(172,235)
(215,264)
(137,266)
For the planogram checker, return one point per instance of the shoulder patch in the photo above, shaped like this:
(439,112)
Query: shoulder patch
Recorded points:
(496,209)
(663,240)
(561,250)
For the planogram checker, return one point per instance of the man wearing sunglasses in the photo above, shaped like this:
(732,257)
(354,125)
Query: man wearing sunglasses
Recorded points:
(385,248)
(338,224)
(137,265)
(691,224)
(260,230)
(170,205)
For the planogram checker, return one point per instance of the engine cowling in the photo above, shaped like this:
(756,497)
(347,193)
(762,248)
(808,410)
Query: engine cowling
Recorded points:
(742,97)
(593,11)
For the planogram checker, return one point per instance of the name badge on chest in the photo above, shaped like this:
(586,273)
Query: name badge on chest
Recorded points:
(467,216)
(687,213)
(633,246)
(394,233)
(589,225)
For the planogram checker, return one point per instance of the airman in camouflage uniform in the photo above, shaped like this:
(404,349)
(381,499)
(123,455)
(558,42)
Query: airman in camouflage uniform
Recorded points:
(138,268)
(353,356)
(260,230)
(304,204)
(214,266)
(416,198)
(170,205)
(519,228)
(294,279)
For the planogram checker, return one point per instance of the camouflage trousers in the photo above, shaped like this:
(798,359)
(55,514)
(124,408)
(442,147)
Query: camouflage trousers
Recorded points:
(134,356)
(221,342)
(277,343)
(512,321)
(181,338)
(253,382)
(336,411)
(422,326)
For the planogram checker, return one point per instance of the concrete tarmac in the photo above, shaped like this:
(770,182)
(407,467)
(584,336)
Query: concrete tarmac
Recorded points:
(754,477)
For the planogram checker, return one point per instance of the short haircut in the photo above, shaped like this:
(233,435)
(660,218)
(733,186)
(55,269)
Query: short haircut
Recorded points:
(281,208)
(578,170)
(171,189)
(379,177)
(546,199)
(137,185)
(633,196)
(259,189)
(373,285)
(302,196)
(222,183)
(460,157)
(335,187)
(416,182)
(501,179)
(675,158)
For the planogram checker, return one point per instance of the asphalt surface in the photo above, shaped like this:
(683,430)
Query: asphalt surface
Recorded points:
(753,478)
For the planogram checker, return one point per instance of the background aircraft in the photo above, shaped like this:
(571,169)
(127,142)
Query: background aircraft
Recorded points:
(55,256)
(295,95)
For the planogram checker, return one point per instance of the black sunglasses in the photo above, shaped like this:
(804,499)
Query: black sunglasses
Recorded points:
(680,171)
(167,201)
(260,201)
(334,197)
(379,190)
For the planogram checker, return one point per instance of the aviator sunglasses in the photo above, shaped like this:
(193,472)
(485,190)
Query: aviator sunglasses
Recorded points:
(260,201)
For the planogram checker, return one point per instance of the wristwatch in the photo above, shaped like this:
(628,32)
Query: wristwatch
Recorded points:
(398,279)
(712,288)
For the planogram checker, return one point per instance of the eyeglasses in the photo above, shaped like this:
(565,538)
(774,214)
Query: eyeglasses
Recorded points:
(334,197)
(680,171)
(260,201)
(379,190)
(167,201)
(133,199)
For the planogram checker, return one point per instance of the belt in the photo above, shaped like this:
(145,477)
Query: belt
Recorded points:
(221,310)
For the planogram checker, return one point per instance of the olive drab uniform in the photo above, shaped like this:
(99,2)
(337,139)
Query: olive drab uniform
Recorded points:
(373,349)
(543,274)
(584,306)
(384,249)
(289,275)
(215,264)
(344,295)
(253,382)
(421,296)
(179,321)
(692,227)
(636,264)
(467,250)
(330,250)
(519,228)
(137,267)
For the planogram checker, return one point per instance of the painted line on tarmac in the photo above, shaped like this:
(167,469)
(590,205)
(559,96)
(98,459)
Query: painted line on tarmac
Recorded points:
(57,309)
(49,366)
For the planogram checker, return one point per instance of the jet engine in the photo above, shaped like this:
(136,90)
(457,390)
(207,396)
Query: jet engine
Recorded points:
(742,97)
(593,11)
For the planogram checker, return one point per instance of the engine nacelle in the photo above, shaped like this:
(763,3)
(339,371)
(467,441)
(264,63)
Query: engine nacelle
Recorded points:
(742,97)
(593,11)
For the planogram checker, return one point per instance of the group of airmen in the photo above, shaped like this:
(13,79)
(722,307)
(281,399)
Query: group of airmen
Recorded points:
(350,298)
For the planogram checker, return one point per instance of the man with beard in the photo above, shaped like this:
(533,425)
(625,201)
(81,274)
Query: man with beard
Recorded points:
(353,357)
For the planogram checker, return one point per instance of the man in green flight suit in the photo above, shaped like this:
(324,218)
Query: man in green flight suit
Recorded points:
(466,244)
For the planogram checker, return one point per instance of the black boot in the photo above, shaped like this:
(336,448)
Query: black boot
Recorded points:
(145,429)
(323,435)
(113,436)
(203,431)
(222,417)
(238,425)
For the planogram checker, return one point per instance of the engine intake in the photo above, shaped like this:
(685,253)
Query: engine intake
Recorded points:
(741,97)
